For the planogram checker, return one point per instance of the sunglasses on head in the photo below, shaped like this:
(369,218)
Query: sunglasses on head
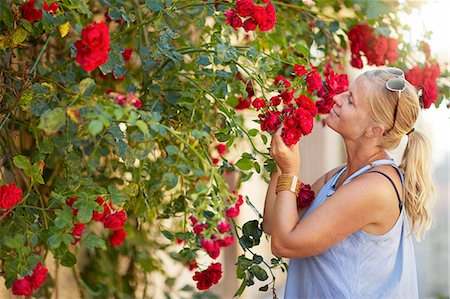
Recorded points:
(397,83)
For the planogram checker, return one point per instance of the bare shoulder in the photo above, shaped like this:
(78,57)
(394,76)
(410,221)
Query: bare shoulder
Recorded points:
(325,178)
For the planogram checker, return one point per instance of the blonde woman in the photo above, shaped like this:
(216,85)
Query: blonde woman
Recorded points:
(354,240)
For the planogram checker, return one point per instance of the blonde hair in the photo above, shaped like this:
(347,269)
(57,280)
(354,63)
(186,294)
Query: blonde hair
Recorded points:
(419,188)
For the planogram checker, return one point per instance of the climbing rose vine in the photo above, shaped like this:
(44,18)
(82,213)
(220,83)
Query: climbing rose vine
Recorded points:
(120,122)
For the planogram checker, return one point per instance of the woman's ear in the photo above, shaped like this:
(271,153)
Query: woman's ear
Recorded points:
(375,131)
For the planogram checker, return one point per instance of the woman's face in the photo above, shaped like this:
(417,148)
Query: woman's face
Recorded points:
(349,115)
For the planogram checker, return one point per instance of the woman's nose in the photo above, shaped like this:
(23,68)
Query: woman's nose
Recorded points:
(338,99)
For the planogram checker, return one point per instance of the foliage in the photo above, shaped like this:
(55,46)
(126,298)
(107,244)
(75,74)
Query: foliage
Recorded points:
(140,132)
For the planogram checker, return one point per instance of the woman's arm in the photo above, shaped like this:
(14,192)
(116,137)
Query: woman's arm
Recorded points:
(269,203)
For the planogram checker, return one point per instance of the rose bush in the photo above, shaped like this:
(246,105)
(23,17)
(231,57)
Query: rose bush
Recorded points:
(116,118)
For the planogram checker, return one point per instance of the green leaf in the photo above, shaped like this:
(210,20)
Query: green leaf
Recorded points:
(172,150)
(52,120)
(143,127)
(251,228)
(170,180)
(257,167)
(154,5)
(203,60)
(95,126)
(253,132)
(244,164)
(92,241)
(19,36)
(63,218)
(21,162)
(259,272)
(15,243)
(168,235)
(334,26)
(257,259)
(158,129)
(87,86)
(117,196)
(264,288)
(241,288)
(68,259)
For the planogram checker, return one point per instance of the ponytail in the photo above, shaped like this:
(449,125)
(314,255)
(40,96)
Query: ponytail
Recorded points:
(419,188)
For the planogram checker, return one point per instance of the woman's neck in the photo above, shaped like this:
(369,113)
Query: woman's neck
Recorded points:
(360,156)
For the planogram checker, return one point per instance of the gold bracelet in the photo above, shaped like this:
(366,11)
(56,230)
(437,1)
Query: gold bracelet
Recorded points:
(286,182)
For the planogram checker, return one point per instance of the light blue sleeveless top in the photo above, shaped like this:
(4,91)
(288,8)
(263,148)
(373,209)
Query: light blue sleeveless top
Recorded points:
(360,266)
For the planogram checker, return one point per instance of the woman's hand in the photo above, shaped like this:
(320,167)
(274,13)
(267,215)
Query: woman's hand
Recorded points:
(287,158)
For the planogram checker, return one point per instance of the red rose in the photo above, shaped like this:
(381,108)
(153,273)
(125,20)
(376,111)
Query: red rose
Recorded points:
(30,13)
(222,148)
(38,277)
(415,76)
(356,62)
(324,106)
(52,8)
(250,25)
(89,58)
(215,272)
(306,196)
(290,123)
(431,71)
(306,103)
(245,8)
(96,36)
(225,242)
(116,220)
(223,226)
(259,14)
(77,232)
(380,45)
(21,287)
(121,99)
(199,228)
(127,54)
(9,196)
(287,97)
(106,210)
(117,237)
(271,18)
(313,81)
(280,80)
(193,219)
(275,100)
(290,136)
(239,201)
(243,103)
(93,48)
(392,53)
(206,278)
(429,92)
(233,19)
(299,70)
(259,103)
(232,211)
(306,125)
(270,121)
(211,247)
(133,100)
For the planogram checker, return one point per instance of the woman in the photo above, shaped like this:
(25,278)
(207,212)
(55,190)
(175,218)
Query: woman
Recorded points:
(354,241)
